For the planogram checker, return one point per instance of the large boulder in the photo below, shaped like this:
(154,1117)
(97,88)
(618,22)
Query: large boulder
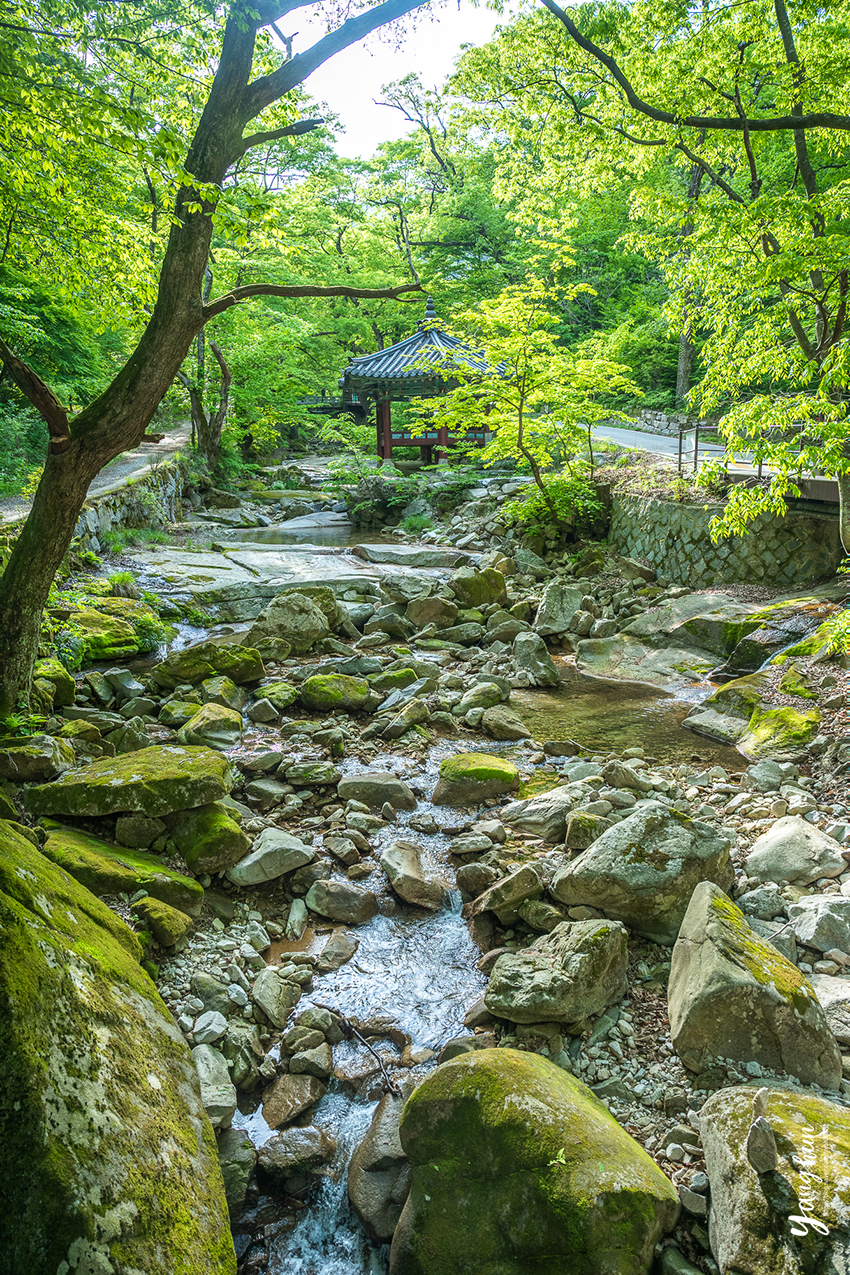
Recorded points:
(213,726)
(402,862)
(379,1173)
(794,1219)
(273,854)
(153,781)
(208,837)
(325,692)
(291,618)
(546,815)
(531,655)
(90,1052)
(342,901)
(564,977)
(36,758)
(644,870)
(519,1168)
(195,664)
(106,869)
(470,778)
(374,787)
(475,588)
(733,995)
(560,603)
(500,722)
(795,850)
(288,1096)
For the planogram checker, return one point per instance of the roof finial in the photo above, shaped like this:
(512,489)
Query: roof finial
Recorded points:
(430,312)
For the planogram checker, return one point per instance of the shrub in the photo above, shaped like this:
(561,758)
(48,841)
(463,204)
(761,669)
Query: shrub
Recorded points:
(577,508)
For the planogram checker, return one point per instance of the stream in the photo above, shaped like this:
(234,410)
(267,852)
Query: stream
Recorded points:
(417,968)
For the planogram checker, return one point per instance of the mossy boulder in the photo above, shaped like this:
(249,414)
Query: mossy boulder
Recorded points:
(794,1218)
(778,730)
(223,690)
(474,588)
(519,1169)
(153,781)
(178,712)
(242,664)
(213,726)
(36,757)
(279,694)
(168,925)
(293,619)
(209,838)
(470,778)
(394,679)
(327,691)
(733,995)
(107,637)
(106,869)
(64,686)
(110,1162)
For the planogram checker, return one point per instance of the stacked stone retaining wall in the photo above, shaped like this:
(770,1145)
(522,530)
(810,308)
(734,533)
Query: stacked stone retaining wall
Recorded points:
(799,549)
(150,501)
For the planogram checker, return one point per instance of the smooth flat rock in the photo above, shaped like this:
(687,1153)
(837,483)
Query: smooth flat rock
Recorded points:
(414,555)
(626,658)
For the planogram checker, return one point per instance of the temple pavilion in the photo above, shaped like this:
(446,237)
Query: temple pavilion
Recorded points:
(412,368)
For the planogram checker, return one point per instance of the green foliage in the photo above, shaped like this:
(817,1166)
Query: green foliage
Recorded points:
(572,502)
(22,723)
(837,631)
(122,584)
(416,522)
(150,631)
(120,538)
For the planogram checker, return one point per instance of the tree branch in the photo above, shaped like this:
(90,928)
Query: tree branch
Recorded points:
(291,130)
(42,398)
(269,88)
(237,295)
(779,123)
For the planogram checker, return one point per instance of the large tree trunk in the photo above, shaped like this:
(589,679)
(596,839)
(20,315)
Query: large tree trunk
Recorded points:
(685,370)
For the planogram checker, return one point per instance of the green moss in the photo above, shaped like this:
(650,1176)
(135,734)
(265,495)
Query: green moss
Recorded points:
(106,869)
(240,663)
(109,1161)
(54,671)
(760,958)
(280,694)
(168,925)
(796,682)
(213,726)
(772,730)
(326,691)
(479,767)
(209,838)
(393,681)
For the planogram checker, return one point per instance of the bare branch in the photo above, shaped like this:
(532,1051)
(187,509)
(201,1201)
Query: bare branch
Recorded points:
(238,295)
(42,398)
(291,130)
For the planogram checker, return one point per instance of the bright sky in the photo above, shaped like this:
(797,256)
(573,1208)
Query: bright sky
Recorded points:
(351,81)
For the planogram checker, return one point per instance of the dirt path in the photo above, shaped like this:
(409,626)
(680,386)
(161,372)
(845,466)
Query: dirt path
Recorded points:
(128,465)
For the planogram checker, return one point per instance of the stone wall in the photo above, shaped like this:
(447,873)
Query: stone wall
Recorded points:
(150,501)
(799,549)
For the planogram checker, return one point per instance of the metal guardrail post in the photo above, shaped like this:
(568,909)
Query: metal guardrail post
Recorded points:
(696,446)
(681,437)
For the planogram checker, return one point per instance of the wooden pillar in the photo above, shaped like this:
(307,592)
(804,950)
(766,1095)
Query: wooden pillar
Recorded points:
(385,430)
(443,444)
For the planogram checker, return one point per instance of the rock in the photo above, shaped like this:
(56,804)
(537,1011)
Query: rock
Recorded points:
(618,775)
(218,1093)
(311,774)
(296,1151)
(275,996)
(103,869)
(379,1173)
(478,588)
(470,843)
(786,1222)
(505,897)
(130,737)
(437,611)
(291,618)
(834,997)
(644,870)
(288,1096)
(473,878)
(196,663)
(213,726)
(470,778)
(313,1062)
(339,949)
(155,781)
(764,903)
(402,862)
(273,854)
(342,901)
(166,924)
(560,603)
(546,815)
(761,1146)
(137,831)
(208,838)
(732,995)
(412,714)
(564,977)
(224,691)
(583,828)
(325,692)
(374,787)
(517,1167)
(37,757)
(296,922)
(279,694)
(481,695)
(531,564)
(822,921)
(531,656)
(794,850)
(209,1027)
(237,1157)
(79,1016)
(765,776)
(64,687)
(503,723)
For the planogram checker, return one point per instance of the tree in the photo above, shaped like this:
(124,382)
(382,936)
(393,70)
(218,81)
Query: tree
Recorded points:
(537,399)
(116,420)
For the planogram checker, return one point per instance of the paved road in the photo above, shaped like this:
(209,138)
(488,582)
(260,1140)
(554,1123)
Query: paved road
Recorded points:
(659,444)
